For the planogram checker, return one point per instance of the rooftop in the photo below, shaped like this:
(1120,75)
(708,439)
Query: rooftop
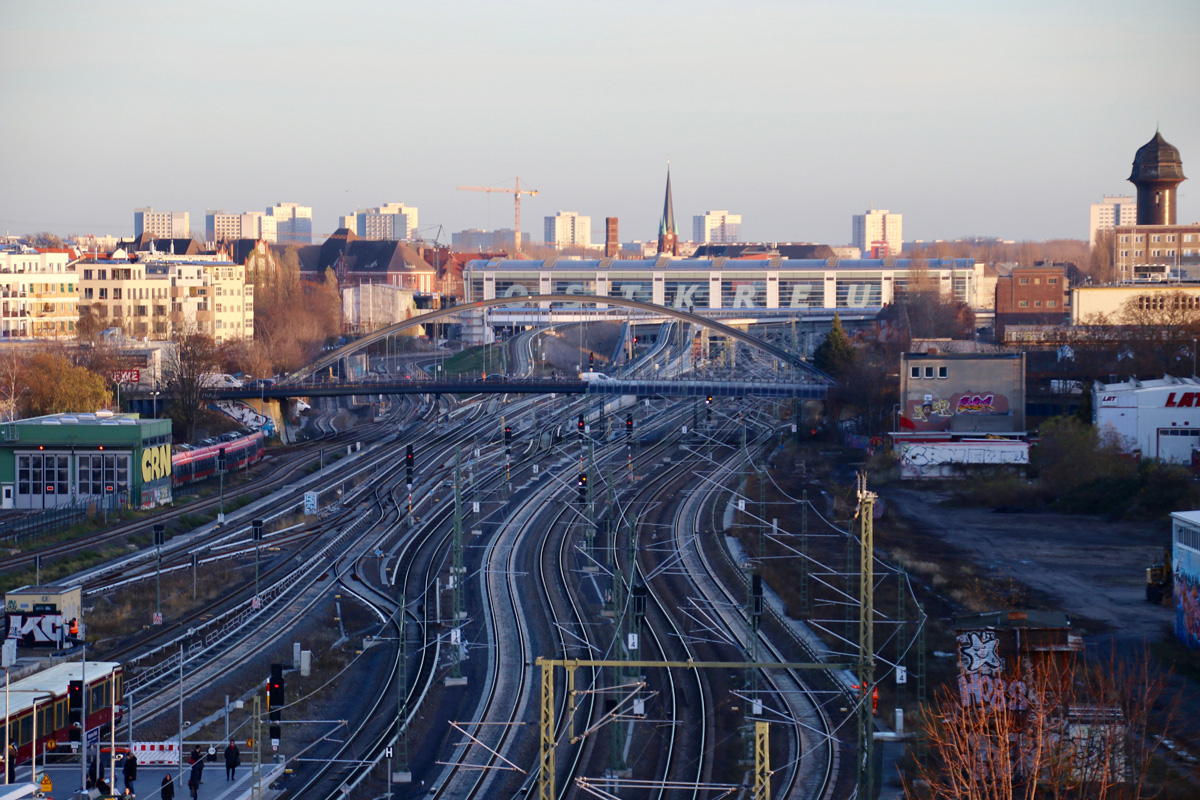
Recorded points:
(1157,160)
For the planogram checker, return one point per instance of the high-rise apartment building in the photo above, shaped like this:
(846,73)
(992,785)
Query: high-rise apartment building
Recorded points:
(222,227)
(1109,213)
(388,221)
(568,229)
(293,223)
(716,227)
(475,240)
(161,224)
(878,233)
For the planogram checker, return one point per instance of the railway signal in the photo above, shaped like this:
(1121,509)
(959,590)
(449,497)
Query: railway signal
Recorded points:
(508,434)
(276,693)
(582,484)
(75,710)
(629,424)
(581,423)
(408,464)
(591,360)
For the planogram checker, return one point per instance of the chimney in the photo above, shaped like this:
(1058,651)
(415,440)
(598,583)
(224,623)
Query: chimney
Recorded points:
(612,244)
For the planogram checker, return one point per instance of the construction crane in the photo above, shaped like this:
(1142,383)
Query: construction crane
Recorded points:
(516,193)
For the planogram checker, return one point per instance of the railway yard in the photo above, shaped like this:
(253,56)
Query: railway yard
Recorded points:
(511,596)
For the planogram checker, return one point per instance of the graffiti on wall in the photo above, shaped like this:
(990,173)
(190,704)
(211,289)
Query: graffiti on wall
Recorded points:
(246,415)
(975,404)
(940,459)
(36,630)
(980,679)
(931,408)
(1187,609)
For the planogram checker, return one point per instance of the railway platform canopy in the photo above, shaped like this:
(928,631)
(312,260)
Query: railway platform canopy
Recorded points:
(104,459)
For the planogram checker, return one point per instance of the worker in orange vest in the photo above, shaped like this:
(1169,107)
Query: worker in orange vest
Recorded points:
(74,629)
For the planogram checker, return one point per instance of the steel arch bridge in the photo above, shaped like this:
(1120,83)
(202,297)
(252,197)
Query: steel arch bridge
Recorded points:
(621,302)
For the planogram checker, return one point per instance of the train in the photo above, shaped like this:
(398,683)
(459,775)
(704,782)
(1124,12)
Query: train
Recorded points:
(45,693)
(200,463)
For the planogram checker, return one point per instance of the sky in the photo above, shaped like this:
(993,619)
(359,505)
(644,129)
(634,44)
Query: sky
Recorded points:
(984,118)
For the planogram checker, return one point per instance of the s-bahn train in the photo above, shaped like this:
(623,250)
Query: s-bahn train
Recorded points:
(46,693)
(189,466)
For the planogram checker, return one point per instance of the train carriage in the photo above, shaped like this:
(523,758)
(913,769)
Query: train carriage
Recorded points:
(200,464)
(46,693)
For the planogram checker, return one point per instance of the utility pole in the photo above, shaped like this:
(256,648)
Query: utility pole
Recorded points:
(159,537)
(457,575)
(866,641)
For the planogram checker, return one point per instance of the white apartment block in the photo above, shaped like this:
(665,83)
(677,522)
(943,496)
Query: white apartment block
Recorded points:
(1109,213)
(716,227)
(38,297)
(161,299)
(222,227)
(161,224)
(389,221)
(878,233)
(567,229)
(293,223)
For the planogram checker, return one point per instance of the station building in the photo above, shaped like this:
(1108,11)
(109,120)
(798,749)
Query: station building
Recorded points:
(110,460)
(1156,419)
(718,284)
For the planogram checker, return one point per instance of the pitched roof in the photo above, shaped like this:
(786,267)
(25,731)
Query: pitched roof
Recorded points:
(179,247)
(362,255)
(667,223)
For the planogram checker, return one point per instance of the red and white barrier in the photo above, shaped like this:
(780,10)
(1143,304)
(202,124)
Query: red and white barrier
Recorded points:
(162,753)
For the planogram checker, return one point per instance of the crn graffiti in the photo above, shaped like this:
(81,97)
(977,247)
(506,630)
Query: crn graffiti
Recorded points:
(976,404)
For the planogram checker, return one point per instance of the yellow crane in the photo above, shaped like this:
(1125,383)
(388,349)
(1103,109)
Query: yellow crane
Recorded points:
(516,193)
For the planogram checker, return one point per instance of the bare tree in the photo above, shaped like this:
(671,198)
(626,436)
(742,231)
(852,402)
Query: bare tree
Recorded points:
(12,384)
(184,368)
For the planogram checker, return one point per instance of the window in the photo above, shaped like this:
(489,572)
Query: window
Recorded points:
(1139,238)
(1156,238)
(1023,303)
(87,274)
(1037,281)
(1171,237)
(929,372)
(1124,254)
(1024,281)
(1037,303)
(1124,239)
(1051,303)
(1052,281)
(943,372)
(1156,252)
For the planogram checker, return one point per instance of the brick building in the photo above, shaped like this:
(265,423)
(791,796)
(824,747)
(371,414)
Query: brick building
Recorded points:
(1032,296)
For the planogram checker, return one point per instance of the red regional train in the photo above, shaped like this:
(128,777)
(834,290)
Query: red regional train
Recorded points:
(189,466)
(46,692)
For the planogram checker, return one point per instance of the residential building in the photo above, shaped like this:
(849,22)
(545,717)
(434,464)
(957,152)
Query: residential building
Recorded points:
(716,226)
(161,224)
(222,227)
(293,223)
(159,299)
(1032,296)
(568,229)
(1109,213)
(388,221)
(878,233)
(38,294)
(1095,305)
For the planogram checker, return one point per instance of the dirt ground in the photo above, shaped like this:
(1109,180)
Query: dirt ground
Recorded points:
(1091,568)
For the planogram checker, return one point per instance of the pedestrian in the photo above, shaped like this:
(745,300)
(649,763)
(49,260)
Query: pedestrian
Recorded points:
(233,757)
(196,754)
(129,770)
(196,778)
(11,764)
(167,792)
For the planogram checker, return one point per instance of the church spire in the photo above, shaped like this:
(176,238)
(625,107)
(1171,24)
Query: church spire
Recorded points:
(668,239)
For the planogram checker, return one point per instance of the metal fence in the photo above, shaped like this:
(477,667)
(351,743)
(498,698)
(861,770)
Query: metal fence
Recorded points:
(41,522)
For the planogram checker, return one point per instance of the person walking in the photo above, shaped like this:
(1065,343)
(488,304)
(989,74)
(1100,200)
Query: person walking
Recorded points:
(233,757)
(167,792)
(197,777)
(129,771)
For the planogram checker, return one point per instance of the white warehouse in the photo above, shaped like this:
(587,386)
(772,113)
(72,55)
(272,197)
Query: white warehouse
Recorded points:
(1156,418)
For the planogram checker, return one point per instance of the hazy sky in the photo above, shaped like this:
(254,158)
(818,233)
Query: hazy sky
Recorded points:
(997,118)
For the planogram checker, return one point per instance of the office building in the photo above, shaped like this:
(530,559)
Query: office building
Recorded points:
(38,297)
(568,229)
(716,227)
(1032,296)
(293,223)
(161,224)
(878,233)
(1110,213)
(222,227)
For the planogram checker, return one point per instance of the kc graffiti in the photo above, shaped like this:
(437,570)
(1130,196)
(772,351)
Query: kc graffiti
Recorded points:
(976,404)
(36,629)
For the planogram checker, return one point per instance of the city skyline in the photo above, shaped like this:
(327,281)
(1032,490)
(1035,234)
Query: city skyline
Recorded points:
(1003,122)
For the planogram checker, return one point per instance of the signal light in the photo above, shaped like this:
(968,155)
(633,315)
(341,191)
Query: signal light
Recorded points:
(408,463)
(508,434)
(629,423)
(708,400)
(591,359)
(581,423)
(276,692)
(75,695)
(582,488)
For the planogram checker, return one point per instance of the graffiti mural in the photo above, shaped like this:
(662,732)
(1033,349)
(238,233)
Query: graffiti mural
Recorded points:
(975,404)
(246,415)
(941,459)
(980,678)
(1187,609)
(36,630)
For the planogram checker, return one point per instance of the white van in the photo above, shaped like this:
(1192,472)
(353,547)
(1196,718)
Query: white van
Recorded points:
(219,380)
(594,377)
